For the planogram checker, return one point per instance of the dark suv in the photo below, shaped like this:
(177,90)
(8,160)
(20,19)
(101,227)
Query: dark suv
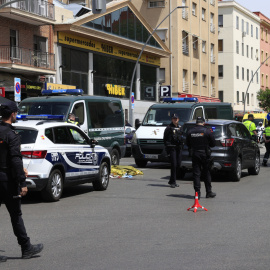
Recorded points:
(234,151)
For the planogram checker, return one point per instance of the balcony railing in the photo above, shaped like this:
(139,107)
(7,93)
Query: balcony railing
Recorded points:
(38,7)
(185,87)
(212,28)
(185,14)
(185,49)
(213,59)
(26,57)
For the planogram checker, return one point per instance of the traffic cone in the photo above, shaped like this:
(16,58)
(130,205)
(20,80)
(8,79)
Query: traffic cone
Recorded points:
(196,204)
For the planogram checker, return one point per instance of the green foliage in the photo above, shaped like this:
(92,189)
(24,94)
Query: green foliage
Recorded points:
(264,99)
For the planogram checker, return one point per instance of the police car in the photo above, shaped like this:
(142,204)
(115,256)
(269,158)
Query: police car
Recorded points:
(58,154)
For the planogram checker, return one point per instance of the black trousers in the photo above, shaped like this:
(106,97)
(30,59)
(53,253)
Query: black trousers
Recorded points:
(201,171)
(267,153)
(7,191)
(175,158)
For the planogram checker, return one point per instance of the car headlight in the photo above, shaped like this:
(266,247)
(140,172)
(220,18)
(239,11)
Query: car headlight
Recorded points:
(134,139)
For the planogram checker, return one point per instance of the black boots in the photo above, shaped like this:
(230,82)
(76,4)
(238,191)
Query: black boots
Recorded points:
(29,253)
(210,194)
(3,258)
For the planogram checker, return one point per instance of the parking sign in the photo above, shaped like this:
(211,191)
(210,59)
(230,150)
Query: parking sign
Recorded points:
(165,91)
(17,89)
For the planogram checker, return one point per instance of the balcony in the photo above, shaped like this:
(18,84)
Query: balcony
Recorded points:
(185,14)
(212,28)
(185,87)
(38,12)
(185,49)
(27,61)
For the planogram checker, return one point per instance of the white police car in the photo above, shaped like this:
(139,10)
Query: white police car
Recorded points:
(58,154)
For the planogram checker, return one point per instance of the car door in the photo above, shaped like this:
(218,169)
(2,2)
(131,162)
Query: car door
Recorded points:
(80,112)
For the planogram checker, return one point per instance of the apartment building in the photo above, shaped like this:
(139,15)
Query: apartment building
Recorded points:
(26,45)
(239,56)
(265,50)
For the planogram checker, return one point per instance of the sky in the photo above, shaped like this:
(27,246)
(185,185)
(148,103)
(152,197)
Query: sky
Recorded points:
(258,5)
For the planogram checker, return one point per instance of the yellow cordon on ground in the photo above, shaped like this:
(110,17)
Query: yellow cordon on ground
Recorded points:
(118,171)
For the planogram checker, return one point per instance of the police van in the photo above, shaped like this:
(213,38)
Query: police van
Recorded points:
(147,143)
(101,118)
(58,154)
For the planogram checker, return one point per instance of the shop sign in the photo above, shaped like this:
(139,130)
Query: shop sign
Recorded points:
(2,91)
(93,45)
(54,86)
(31,86)
(116,90)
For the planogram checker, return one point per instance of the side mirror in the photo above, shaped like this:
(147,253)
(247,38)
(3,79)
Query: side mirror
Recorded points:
(93,142)
(137,123)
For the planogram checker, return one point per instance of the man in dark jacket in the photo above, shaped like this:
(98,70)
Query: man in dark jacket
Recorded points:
(199,140)
(12,178)
(173,142)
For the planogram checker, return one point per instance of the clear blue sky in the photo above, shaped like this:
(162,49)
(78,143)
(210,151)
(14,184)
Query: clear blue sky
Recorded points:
(256,5)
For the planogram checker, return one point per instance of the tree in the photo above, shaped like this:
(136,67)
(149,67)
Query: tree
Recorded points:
(264,99)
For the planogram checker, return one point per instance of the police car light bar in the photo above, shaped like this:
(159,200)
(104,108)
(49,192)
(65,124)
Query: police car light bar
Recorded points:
(40,117)
(62,91)
(172,100)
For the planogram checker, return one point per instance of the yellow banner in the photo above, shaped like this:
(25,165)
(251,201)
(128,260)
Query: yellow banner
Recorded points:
(117,90)
(84,43)
(54,86)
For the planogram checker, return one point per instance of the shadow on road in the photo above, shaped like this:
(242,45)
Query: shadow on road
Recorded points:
(185,196)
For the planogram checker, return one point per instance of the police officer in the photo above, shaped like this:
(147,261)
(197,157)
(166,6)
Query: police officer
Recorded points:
(266,137)
(199,140)
(250,125)
(12,178)
(72,119)
(173,142)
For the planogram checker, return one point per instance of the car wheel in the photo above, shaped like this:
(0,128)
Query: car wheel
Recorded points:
(103,179)
(236,174)
(256,169)
(141,163)
(54,189)
(115,157)
(180,173)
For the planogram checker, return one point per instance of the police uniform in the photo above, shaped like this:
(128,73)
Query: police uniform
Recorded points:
(12,179)
(266,132)
(251,127)
(73,122)
(173,141)
(199,140)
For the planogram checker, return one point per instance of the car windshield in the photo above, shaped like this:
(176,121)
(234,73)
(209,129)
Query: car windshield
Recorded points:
(41,108)
(256,121)
(27,135)
(163,116)
(217,129)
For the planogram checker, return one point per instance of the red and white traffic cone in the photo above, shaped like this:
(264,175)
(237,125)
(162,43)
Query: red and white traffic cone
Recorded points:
(196,204)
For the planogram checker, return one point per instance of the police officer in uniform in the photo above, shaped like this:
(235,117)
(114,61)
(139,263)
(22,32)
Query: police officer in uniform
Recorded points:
(250,125)
(72,119)
(12,178)
(266,137)
(173,142)
(199,140)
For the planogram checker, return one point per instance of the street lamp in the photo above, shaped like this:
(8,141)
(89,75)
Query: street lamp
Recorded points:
(135,68)
(251,81)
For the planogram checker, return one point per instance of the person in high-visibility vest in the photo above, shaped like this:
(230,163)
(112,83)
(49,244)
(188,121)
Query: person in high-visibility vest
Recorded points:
(250,125)
(266,137)
(72,119)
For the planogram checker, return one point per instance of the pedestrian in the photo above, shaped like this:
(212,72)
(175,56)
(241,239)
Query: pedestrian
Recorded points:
(250,125)
(199,140)
(173,141)
(72,119)
(12,178)
(266,137)
(260,129)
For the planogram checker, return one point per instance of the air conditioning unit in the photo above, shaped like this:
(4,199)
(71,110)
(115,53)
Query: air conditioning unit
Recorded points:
(50,79)
(244,34)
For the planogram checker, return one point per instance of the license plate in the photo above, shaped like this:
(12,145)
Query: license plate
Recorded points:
(151,156)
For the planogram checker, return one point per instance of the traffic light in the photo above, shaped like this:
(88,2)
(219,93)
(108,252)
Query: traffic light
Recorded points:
(98,6)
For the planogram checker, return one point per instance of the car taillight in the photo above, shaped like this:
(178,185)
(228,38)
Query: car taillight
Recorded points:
(34,154)
(227,142)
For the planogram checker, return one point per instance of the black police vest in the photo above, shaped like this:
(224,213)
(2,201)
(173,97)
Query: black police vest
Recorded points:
(3,148)
(198,138)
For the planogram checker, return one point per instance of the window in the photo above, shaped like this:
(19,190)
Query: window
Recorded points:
(243,26)
(261,33)
(184,11)
(78,136)
(237,72)
(237,46)
(243,97)
(247,51)
(78,110)
(220,95)
(185,43)
(257,77)
(210,113)
(247,28)
(257,54)
(243,51)
(49,134)
(252,99)
(220,71)
(266,57)
(237,22)
(261,56)
(62,135)
(251,54)
(251,30)
(247,98)
(185,84)
(266,81)
(204,80)
(257,33)
(248,75)
(203,14)
(153,4)
(237,97)
(14,50)
(204,46)
(195,78)
(252,75)
(194,6)
(212,57)
(266,35)
(220,20)
(198,112)
(220,45)
(212,86)
(212,26)
(243,73)
(195,42)
(262,82)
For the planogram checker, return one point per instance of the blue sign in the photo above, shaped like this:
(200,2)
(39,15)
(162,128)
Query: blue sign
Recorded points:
(132,100)
(268,116)
(17,89)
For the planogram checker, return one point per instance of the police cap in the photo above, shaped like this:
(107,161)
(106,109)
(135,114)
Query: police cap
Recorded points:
(200,119)
(175,116)
(8,107)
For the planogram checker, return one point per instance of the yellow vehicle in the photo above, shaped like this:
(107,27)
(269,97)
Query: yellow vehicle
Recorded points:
(258,117)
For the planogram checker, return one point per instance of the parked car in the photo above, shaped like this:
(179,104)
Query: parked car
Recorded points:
(58,154)
(234,151)
(129,132)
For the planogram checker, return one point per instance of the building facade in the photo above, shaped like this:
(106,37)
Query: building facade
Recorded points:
(239,56)
(265,50)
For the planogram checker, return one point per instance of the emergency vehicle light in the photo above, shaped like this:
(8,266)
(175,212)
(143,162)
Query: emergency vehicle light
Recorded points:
(40,117)
(181,99)
(62,91)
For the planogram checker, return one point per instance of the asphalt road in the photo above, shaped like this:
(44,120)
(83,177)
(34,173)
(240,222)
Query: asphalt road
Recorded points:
(141,223)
